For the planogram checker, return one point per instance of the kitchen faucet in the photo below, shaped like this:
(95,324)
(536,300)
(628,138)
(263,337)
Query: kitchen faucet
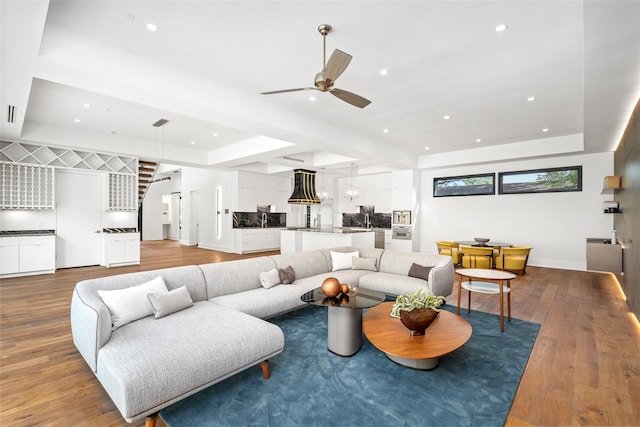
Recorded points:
(367,221)
(263,223)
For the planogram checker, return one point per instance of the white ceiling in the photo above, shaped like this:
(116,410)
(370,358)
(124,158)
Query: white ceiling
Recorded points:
(205,66)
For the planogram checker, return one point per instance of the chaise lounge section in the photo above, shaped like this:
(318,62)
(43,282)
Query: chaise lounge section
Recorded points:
(150,363)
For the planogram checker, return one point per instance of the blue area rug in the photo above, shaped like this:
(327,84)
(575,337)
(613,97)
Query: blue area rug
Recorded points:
(309,386)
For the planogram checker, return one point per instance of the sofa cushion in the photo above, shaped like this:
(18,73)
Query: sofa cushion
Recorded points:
(342,260)
(268,279)
(419,271)
(166,303)
(392,284)
(263,303)
(229,277)
(192,349)
(129,304)
(365,263)
(305,264)
(287,275)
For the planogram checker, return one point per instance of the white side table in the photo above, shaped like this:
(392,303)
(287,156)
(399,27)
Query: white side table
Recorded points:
(486,281)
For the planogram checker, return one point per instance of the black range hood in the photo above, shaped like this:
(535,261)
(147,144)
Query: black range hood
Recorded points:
(304,188)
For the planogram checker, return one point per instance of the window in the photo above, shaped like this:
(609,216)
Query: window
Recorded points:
(468,185)
(541,180)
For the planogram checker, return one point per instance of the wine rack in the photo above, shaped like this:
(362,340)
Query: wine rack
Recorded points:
(26,186)
(122,192)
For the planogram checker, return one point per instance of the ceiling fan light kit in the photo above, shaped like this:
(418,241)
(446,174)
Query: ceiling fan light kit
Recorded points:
(331,70)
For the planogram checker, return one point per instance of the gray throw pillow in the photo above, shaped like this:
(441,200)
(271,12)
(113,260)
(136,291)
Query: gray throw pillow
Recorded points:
(165,303)
(419,271)
(287,275)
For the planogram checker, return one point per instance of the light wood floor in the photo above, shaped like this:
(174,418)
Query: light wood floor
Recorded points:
(584,368)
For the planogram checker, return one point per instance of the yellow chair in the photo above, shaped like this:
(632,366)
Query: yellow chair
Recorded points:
(450,249)
(477,257)
(513,259)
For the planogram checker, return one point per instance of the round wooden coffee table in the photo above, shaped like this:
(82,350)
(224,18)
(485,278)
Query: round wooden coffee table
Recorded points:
(446,334)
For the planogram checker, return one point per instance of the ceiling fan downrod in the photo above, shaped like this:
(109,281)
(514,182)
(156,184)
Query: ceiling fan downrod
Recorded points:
(324,29)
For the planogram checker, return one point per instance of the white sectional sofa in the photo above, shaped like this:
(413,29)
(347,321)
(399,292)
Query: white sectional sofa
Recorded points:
(149,363)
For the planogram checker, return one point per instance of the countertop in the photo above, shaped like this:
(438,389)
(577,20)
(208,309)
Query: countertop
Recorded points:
(114,230)
(335,230)
(27,232)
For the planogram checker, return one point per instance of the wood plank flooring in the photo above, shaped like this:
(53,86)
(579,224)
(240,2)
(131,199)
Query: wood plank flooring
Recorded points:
(584,368)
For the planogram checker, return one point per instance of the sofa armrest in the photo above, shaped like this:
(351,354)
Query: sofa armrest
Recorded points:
(441,277)
(90,325)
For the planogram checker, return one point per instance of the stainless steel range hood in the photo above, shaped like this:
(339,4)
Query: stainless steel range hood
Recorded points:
(304,188)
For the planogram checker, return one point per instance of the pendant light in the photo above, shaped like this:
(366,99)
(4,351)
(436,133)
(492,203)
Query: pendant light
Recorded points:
(351,192)
(323,194)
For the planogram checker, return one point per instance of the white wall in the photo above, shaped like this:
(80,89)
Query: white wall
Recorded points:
(152,220)
(555,225)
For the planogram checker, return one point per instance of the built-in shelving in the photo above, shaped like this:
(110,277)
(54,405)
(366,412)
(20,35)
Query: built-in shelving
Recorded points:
(26,186)
(122,192)
(18,152)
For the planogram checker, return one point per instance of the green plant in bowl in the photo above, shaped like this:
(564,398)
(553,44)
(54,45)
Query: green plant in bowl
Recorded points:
(416,300)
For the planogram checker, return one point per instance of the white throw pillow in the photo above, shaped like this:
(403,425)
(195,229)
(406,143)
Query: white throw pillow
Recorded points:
(365,263)
(165,303)
(270,278)
(129,304)
(342,260)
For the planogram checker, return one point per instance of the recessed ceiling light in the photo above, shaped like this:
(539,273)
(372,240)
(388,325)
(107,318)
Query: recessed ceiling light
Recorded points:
(426,148)
(447,117)
(152,27)
(545,130)
(478,140)
(112,132)
(500,28)
(385,130)
(193,143)
(531,98)
(215,134)
(384,72)
(312,98)
(87,105)
(76,120)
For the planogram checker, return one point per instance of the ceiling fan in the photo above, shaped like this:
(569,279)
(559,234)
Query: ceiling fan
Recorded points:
(331,70)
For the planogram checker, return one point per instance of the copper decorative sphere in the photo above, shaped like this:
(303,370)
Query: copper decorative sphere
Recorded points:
(331,287)
(344,288)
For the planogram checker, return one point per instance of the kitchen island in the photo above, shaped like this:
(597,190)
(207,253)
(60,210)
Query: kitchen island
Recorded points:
(306,239)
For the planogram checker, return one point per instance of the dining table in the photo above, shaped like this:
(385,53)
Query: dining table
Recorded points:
(488,244)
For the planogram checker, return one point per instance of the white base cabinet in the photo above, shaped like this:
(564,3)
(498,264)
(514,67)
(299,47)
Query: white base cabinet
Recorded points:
(255,240)
(120,249)
(27,255)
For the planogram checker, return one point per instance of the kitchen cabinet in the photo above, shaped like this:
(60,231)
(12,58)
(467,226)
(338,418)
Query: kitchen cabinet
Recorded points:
(120,249)
(255,239)
(9,255)
(37,253)
(402,184)
(25,255)
(604,256)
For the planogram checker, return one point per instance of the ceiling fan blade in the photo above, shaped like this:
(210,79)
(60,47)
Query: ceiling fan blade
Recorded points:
(336,65)
(288,90)
(350,97)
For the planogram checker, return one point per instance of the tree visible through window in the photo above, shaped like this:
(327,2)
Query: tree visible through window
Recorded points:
(541,180)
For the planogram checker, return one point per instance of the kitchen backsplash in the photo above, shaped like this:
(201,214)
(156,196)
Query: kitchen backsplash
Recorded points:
(367,217)
(255,219)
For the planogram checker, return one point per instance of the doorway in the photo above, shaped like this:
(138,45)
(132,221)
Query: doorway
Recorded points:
(194,217)
(78,218)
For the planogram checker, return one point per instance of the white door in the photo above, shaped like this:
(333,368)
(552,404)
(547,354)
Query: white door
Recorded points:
(78,217)
(194,217)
